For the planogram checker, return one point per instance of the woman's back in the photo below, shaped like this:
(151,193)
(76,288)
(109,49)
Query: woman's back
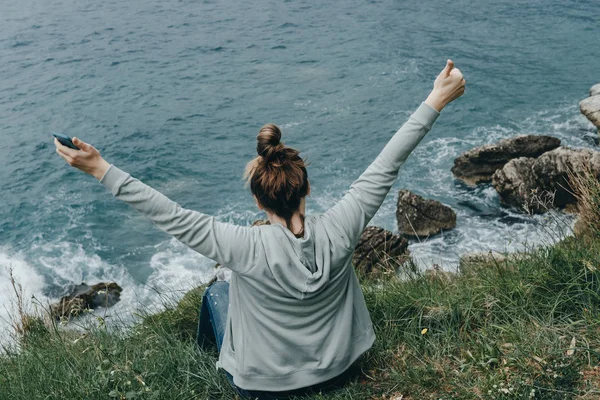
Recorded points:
(297,314)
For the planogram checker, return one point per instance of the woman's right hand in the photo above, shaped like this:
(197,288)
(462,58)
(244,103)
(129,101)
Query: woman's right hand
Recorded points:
(449,85)
(86,159)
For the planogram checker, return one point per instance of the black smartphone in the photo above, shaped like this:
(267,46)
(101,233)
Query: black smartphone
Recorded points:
(65,140)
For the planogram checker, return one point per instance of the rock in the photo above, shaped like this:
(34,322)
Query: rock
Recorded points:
(421,217)
(538,185)
(473,263)
(590,107)
(377,249)
(479,164)
(484,257)
(552,171)
(595,90)
(85,297)
(515,181)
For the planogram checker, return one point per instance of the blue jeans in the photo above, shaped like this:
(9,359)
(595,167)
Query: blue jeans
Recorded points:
(211,327)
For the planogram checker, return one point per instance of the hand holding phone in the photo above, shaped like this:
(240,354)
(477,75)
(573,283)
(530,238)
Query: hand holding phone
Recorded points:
(65,140)
(82,156)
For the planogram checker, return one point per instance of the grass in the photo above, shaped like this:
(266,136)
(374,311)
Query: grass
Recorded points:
(525,327)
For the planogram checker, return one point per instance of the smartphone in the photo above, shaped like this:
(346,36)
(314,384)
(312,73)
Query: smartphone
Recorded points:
(65,140)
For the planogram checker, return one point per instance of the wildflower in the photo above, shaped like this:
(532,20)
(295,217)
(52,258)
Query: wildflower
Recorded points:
(424,331)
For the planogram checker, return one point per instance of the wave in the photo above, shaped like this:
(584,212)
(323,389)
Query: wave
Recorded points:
(48,270)
(24,274)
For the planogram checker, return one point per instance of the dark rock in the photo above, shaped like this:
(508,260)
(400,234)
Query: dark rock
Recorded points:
(590,107)
(84,297)
(421,217)
(479,164)
(378,250)
(538,185)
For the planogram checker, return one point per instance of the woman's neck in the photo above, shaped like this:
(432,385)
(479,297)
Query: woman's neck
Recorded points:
(296,222)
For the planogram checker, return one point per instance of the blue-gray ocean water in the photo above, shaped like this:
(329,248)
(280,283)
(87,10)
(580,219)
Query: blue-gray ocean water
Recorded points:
(175,92)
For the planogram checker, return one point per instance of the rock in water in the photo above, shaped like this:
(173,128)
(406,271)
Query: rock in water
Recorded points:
(479,164)
(552,171)
(590,107)
(378,248)
(515,182)
(538,185)
(421,217)
(85,297)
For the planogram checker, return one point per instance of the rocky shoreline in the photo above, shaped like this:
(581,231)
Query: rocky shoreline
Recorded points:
(531,173)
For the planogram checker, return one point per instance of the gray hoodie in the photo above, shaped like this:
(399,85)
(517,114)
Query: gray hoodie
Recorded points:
(297,315)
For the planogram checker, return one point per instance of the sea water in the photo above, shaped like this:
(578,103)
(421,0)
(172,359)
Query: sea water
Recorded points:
(175,93)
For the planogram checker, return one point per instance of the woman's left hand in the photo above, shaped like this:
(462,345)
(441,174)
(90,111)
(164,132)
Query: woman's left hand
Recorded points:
(86,159)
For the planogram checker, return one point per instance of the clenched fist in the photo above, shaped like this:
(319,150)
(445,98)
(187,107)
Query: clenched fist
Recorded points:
(449,85)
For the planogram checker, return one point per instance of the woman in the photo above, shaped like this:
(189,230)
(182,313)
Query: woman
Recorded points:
(294,315)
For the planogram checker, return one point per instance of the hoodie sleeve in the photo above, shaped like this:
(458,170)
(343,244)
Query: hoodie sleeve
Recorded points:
(230,245)
(354,211)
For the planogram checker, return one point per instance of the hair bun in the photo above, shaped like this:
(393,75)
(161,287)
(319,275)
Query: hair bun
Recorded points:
(269,141)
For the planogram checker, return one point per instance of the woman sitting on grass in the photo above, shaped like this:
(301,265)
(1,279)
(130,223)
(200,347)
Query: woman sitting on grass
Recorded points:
(293,318)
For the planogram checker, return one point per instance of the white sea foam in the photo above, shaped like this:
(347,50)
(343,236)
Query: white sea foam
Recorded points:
(474,234)
(175,269)
(566,122)
(26,275)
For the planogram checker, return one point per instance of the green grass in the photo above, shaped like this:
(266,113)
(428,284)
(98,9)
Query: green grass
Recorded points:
(527,327)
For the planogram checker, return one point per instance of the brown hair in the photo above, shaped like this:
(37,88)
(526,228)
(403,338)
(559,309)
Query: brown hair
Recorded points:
(278,176)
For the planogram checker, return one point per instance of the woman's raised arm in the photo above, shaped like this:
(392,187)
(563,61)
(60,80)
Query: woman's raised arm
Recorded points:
(354,211)
(230,245)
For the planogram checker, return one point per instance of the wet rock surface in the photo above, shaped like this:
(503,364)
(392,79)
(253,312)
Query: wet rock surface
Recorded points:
(590,107)
(515,181)
(379,249)
(479,164)
(420,217)
(84,297)
(538,185)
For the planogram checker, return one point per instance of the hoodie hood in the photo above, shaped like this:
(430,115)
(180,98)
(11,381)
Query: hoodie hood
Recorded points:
(307,268)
